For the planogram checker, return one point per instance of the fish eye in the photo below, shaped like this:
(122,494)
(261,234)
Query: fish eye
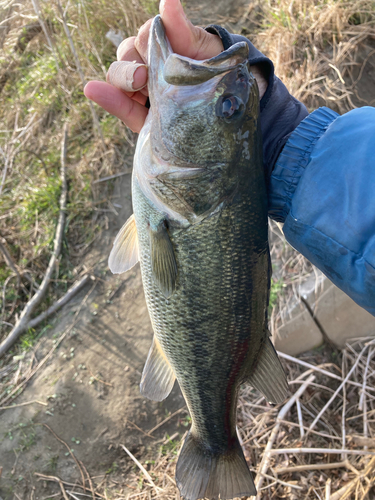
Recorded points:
(230,105)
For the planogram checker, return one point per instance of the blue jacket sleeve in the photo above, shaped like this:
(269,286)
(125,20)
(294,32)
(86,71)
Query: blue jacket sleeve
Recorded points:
(323,189)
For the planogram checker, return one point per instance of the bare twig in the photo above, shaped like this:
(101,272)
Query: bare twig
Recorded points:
(69,450)
(328,489)
(7,257)
(302,468)
(23,404)
(100,380)
(23,321)
(343,415)
(300,419)
(166,420)
(139,429)
(328,451)
(263,467)
(140,466)
(320,370)
(316,420)
(73,290)
(348,488)
(49,354)
(56,479)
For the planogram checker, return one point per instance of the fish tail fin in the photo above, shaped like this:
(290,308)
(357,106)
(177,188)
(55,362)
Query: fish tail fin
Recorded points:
(200,473)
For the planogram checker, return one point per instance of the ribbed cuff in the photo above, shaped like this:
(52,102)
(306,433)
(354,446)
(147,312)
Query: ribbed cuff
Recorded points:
(293,160)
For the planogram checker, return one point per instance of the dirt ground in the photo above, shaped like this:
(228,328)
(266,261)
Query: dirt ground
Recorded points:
(91,382)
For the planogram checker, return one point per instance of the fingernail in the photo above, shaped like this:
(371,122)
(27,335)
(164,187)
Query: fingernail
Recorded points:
(127,76)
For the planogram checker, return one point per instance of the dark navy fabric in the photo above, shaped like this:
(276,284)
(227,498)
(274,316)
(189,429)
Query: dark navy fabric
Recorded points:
(323,189)
(280,113)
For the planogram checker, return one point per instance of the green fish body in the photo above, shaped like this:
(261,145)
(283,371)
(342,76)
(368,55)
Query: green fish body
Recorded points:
(200,232)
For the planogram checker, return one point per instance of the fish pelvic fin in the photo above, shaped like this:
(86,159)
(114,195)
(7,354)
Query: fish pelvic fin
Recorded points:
(157,376)
(124,253)
(163,260)
(201,473)
(269,376)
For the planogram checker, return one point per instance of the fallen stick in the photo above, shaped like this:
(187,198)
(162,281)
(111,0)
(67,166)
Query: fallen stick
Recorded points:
(56,480)
(320,370)
(73,290)
(284,483)
(166,420)
(140,466)
(70,452)
(263,467)
(345,380)
(23,404)
(49,354)
(347,489)
(324,451)
(74,485)
(24,319)
(302,468)
(328,489)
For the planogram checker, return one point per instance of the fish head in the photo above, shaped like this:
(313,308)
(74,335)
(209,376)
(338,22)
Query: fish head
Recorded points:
(203,123)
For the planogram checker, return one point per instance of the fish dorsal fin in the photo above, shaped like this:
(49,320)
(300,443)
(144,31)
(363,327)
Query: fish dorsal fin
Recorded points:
(124,253)
(163,261)
(157,376)
(269,376)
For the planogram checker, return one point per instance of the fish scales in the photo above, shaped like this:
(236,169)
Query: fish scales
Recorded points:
(199,231)
(223,266)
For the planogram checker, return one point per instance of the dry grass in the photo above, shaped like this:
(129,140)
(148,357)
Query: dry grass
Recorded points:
(316,46)
(320,49)
(320,444)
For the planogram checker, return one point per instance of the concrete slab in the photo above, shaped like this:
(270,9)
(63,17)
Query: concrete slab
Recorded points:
(299,333)
(340,317)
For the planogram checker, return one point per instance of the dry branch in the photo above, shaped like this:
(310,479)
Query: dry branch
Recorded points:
(320,370)
(263,467)
(73,290)
(69,450)
(301,468)
(316,420)
(140,466)
(348,488)
(16,389)
(7,257)
(24,319)
(23,404)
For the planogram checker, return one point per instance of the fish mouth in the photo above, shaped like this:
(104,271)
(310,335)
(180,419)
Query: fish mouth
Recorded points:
(168,68)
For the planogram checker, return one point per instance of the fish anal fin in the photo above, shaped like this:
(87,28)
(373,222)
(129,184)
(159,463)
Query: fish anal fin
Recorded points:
(269,376)
(201,473)
(124,253)
(157,376)
(163,261)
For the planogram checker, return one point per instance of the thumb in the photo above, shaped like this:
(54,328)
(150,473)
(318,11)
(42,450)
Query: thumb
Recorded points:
(186,39)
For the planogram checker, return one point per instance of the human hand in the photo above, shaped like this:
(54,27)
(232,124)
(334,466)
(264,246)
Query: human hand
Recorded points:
(125,94)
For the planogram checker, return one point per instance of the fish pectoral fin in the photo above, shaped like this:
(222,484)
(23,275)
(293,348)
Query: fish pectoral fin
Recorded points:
(163,261)
(124,253)
(157,376)
(269,376)
(201,473)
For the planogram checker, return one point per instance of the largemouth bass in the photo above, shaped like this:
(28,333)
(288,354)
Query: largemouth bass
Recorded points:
(199,231)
